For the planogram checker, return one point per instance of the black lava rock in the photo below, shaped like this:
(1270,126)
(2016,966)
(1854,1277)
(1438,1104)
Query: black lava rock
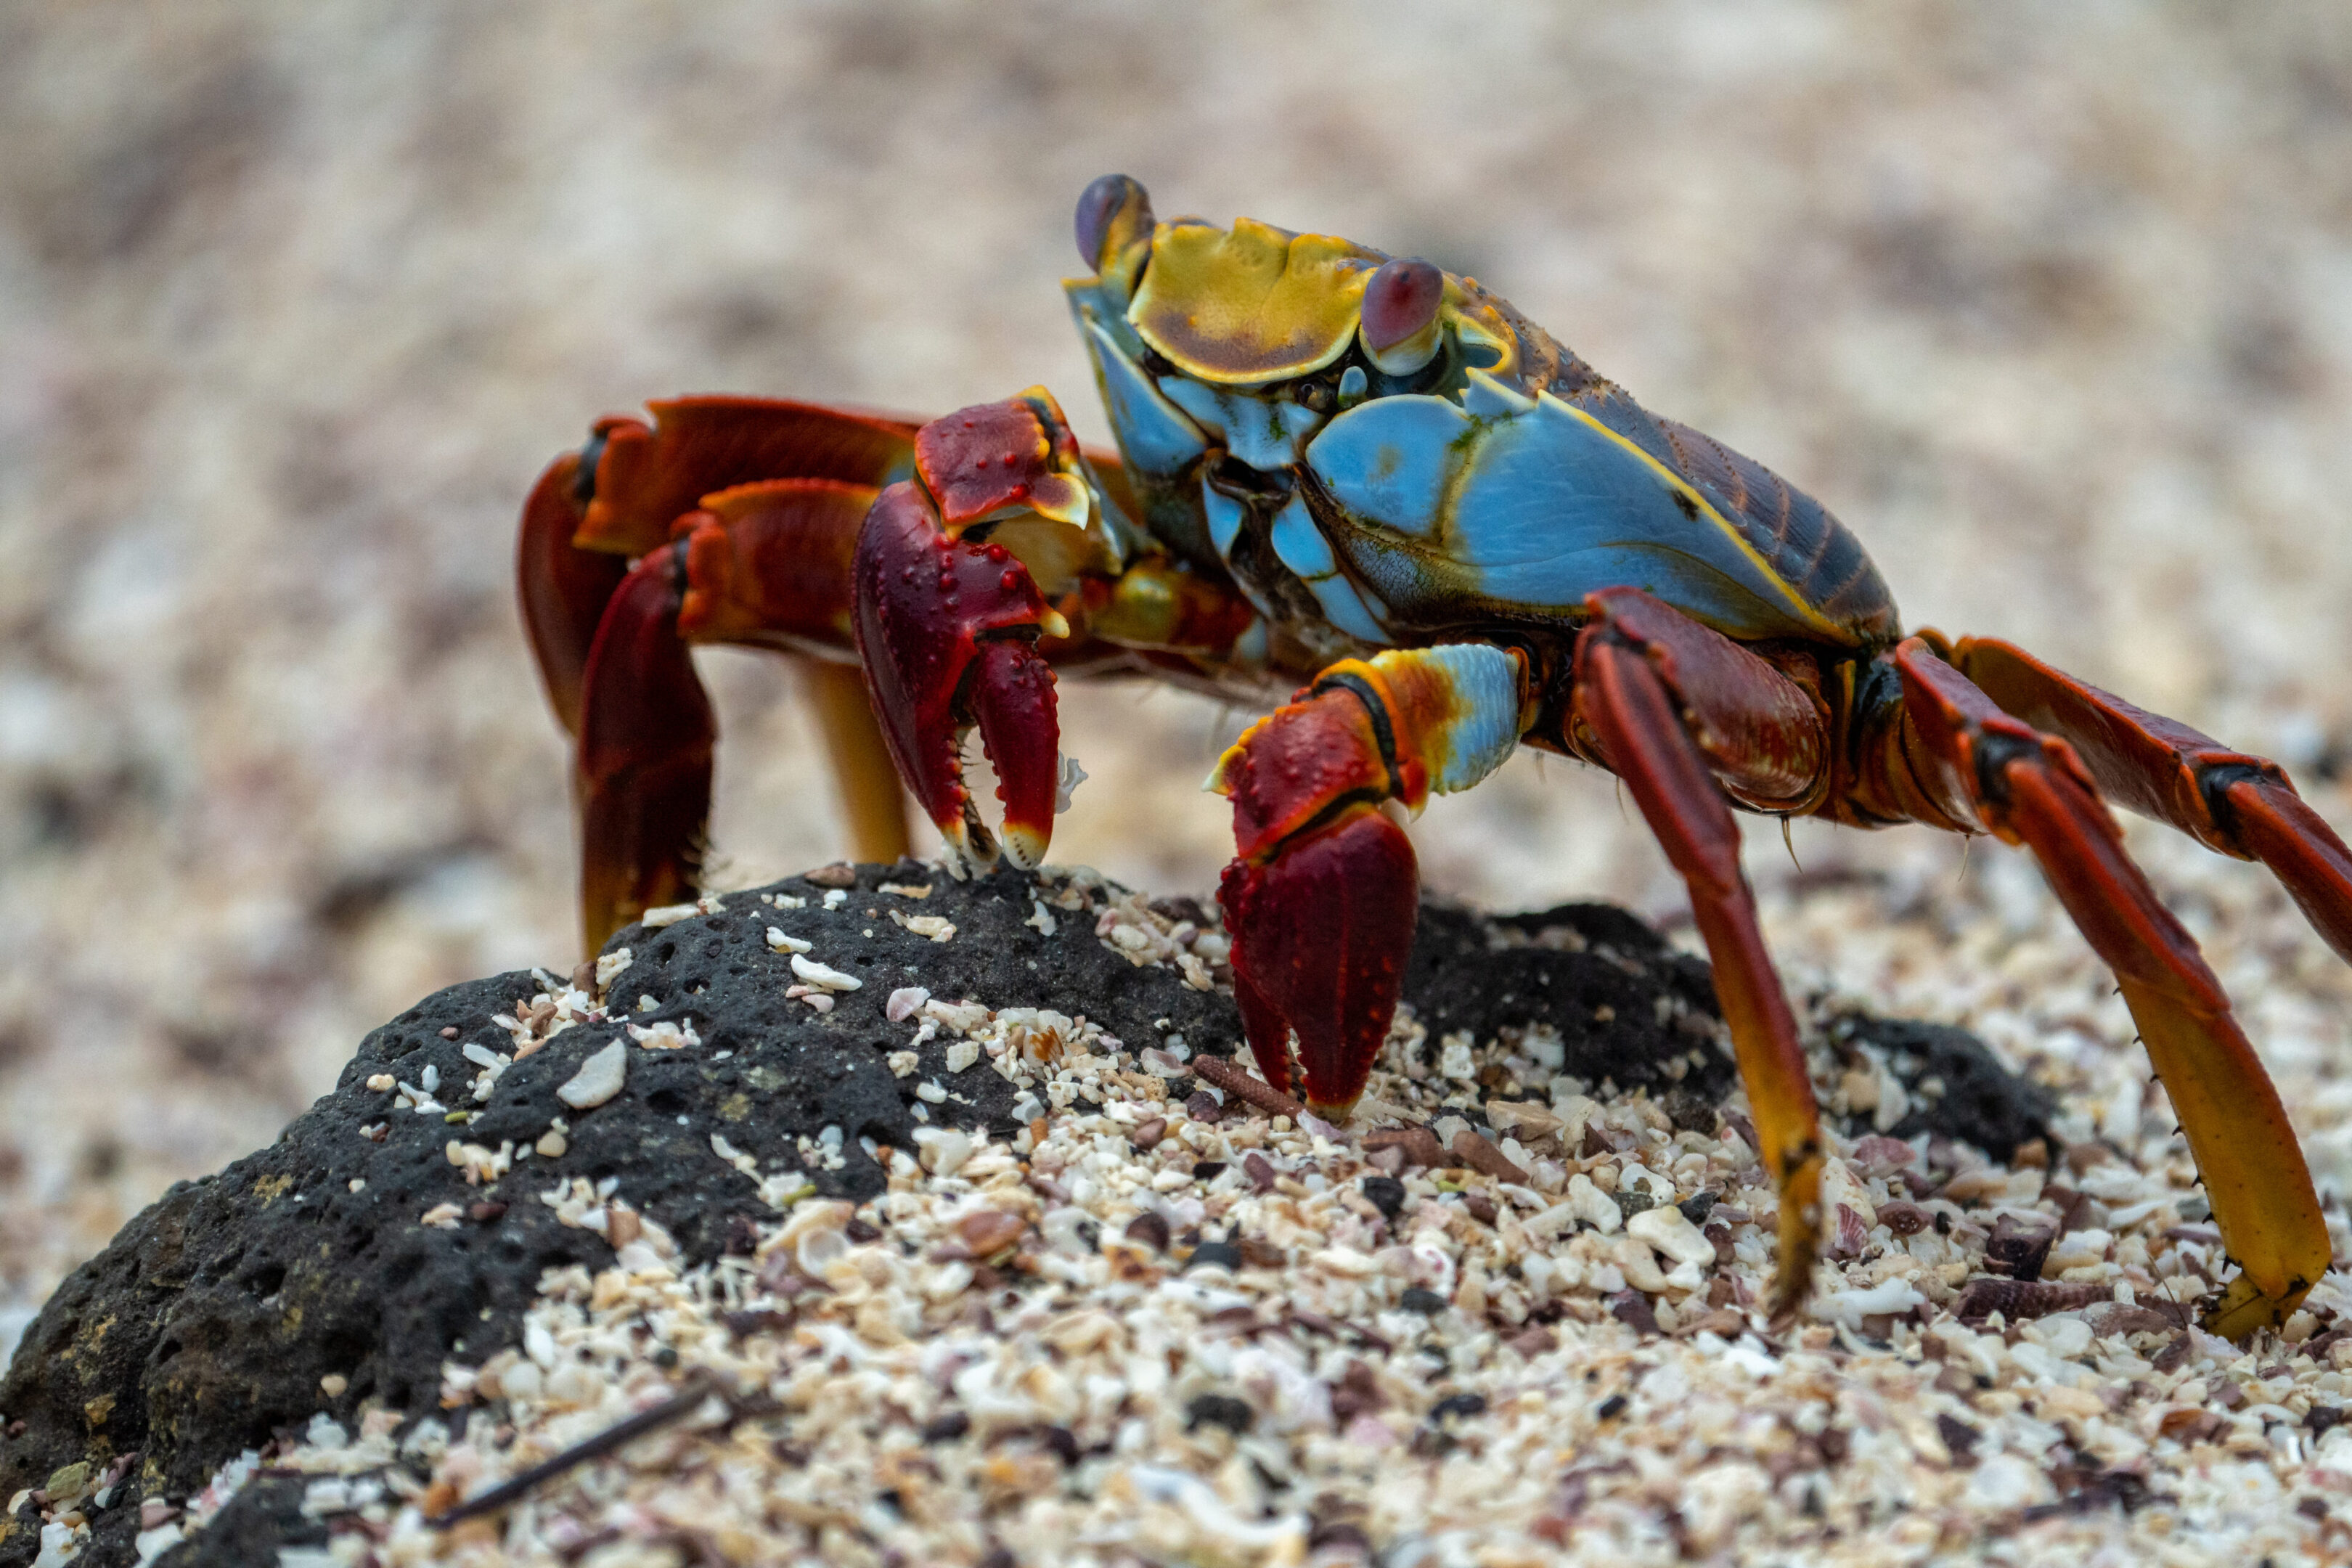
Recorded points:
(1484,973)
(266,1515)
(1979,1101)
(206,1326)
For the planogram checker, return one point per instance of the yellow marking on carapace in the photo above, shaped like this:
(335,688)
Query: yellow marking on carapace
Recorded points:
(1253,303)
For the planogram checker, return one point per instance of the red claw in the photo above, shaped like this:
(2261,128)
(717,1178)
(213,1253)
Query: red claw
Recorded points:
(947,631)
(1012,697)
(1321,935)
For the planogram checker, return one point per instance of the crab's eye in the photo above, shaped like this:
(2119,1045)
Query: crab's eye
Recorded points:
(1313,395)
(1112,214)
(1400,315)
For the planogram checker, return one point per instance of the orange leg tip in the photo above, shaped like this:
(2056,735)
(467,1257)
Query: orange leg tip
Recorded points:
(2245,1307)
(1799,1228)
(1321,932)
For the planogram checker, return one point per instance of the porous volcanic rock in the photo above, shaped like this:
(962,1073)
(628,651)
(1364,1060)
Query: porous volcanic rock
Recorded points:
(207,1326)
(1957,1088)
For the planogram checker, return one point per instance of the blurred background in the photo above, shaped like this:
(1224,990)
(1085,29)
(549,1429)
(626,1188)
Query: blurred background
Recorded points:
(2053,303)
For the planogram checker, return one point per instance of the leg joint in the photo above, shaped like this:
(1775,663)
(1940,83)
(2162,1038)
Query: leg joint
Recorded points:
(1994,750)
(1376,709)
(584,476)
(2216,780)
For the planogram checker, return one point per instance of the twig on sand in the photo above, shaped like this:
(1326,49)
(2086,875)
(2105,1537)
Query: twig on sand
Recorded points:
(698,1387)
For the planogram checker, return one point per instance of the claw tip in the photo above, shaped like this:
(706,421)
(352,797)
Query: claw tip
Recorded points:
(1025,847)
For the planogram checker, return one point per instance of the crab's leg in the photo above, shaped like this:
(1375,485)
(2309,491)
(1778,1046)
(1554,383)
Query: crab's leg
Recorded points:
(766,498)
(648,476)
(621,496)
(873,805)
(642,773)
(1680,711)
(1322,895)
(2231,801)
(564,589)
(947,616)
(2033,789)
(769,565)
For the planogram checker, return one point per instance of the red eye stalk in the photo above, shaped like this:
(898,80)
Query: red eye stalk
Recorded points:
(1400,308)
(1114,213)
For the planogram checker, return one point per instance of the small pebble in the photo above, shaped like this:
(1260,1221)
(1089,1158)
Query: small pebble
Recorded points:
(598,1079)
(989,1232)
(1219,1410)
(1215,1255)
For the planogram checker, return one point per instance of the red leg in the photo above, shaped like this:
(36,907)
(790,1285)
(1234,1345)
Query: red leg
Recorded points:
(769,565)
(564,590)
(767,496)
(643,773)
(1645,677)
(2033,789)
(2231,801)
(1322,896)
(649,475)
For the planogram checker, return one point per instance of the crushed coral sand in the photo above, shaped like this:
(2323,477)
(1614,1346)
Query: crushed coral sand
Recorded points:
(1164,1329)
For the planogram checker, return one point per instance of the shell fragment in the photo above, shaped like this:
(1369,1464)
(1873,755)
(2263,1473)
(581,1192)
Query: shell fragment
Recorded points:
(599,1078)
(823,974)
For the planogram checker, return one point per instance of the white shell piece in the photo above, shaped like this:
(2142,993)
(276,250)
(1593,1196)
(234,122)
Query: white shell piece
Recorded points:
(824,975)
(1669,1230)
(599,1078)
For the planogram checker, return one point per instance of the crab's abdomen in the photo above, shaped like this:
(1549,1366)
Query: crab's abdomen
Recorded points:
(1510,507)
(1804,545)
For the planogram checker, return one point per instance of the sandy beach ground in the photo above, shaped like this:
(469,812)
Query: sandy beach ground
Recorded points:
(2053,305)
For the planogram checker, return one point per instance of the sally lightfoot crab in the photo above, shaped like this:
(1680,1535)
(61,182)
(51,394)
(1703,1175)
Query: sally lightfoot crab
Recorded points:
(1371,485)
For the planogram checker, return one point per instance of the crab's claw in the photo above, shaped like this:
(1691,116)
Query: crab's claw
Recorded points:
(1322,895)
(948,615)
(1321,929)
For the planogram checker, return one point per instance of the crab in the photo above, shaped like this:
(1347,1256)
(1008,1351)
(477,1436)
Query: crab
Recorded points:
(1367,494)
